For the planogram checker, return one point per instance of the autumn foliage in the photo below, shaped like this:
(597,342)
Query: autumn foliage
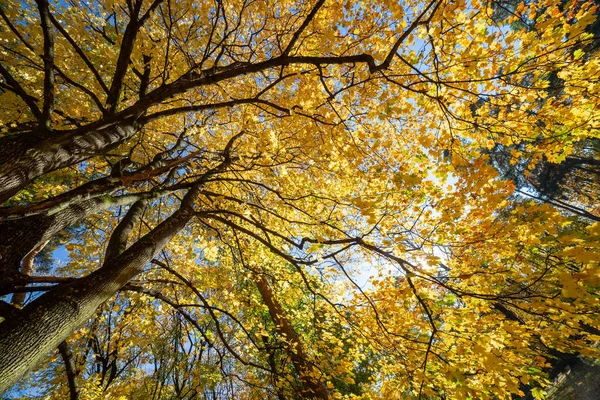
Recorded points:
(297,199)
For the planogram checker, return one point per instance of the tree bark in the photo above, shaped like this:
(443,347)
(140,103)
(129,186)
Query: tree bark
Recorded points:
(43,324)
(21,236)
(118,240)
(25,157)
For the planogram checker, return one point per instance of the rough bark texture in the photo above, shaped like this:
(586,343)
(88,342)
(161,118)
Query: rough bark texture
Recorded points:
(118,240)
(21,236)
(46,322)
(25,157)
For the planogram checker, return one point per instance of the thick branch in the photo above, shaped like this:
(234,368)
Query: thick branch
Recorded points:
(419,21)
(25,157)
(48,63)
(129,37)
(312,387)
(22,235)
(99,187)
(118,240)
(302,27)
(214,106)
(123,61)
(212,76)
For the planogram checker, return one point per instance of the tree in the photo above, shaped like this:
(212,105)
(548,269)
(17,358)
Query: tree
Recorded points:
(571,183)
(247,165)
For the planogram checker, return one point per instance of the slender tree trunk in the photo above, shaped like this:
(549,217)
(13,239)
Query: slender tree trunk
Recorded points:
(43,324)
(25,157)
(67,357)
(312,388)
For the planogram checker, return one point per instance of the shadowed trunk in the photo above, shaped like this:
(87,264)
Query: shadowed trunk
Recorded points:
(312,388)
(21,236)
(26,156)
(43,324)
(71,371)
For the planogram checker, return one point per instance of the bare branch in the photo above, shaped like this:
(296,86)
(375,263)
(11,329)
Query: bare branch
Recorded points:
(15,87)
(67,357)
(419,21)
(48,58)
(79,52)
(302,27)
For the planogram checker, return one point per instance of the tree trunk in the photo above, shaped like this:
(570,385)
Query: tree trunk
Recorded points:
(71,371)
(43,324)
(312,388)
(25,157)
(21,236)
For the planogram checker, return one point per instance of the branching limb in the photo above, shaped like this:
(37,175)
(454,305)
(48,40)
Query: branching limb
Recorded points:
(18,299)
(118,240)
(19,91)
(67,358)
(48,57)
(129,37)
(302,27)
(80,53)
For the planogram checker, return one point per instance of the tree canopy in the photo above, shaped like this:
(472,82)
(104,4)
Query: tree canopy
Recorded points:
(297,199)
